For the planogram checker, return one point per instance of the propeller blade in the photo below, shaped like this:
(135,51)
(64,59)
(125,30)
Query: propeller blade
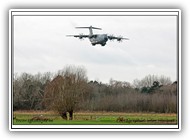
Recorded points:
(111,37)
(80,36)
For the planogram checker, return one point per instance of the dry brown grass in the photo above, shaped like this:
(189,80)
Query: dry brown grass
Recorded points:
(33,112)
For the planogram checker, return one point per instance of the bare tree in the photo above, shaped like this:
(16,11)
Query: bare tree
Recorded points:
(148,81)
(66,90)
(27,92)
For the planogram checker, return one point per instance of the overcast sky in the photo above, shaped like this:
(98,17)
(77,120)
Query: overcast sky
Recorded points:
(41,45)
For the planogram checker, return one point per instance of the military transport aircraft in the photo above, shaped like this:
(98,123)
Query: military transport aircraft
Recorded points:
(98,38)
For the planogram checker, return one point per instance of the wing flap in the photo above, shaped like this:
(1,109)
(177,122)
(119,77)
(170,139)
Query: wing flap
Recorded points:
(79,36)
(111,37)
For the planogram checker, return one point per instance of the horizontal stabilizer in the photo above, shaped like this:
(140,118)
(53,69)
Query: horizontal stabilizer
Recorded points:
(90,27)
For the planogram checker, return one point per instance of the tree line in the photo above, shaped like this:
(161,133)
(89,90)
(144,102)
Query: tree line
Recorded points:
(70,90)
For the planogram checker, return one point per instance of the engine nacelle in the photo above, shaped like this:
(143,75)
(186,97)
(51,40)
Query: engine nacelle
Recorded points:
(119,39)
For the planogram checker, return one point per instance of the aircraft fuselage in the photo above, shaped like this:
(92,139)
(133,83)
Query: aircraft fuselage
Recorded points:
(98,39)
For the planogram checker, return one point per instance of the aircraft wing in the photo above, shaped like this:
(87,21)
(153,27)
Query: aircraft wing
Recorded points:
(79,36)
(120,38)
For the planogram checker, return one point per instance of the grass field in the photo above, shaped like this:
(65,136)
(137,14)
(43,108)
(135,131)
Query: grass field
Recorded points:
(93,118)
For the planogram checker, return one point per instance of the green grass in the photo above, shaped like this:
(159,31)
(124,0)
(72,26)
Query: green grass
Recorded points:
(96,118)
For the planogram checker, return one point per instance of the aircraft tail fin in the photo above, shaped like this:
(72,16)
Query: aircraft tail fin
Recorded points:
(90,29)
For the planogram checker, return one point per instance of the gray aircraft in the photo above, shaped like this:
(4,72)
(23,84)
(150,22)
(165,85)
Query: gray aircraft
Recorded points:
(98,38)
